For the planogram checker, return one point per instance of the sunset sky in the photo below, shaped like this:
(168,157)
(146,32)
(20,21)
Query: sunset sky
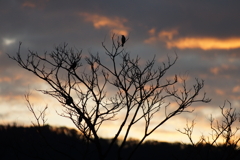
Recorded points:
(204,34)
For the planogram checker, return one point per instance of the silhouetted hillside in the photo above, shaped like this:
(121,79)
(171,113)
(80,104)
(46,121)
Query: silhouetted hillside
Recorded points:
(47,142)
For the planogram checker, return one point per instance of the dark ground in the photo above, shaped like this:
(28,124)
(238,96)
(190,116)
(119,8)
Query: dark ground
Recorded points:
(27,143)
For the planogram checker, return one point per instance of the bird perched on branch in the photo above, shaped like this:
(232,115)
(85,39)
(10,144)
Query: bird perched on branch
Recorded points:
(69,100)
(123,40)
(79,120)
(73,65)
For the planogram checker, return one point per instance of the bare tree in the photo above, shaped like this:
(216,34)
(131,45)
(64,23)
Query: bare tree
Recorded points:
(223,134)
(84,88)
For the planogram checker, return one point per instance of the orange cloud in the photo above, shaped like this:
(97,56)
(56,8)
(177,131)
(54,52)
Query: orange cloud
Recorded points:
(161,36)
(214,70)
(219,92)
(35,4)
(29,4)
(5,79)
(152,31)
(116,24)
(236,89)
(221,68)
(168,34)
(204,43)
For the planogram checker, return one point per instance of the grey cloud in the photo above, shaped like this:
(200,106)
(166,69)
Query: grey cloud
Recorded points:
(59,20)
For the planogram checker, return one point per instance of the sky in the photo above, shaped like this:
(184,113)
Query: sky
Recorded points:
(204,34)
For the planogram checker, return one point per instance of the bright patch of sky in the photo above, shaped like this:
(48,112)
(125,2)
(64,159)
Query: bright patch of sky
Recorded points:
(8,41)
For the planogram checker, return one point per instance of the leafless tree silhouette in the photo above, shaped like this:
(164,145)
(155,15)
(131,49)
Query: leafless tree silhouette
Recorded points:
(93,92)
(223,135)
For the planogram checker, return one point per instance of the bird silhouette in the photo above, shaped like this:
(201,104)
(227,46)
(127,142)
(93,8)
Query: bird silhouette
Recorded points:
(123,40)
(69,100)
(73,65)
(79,120)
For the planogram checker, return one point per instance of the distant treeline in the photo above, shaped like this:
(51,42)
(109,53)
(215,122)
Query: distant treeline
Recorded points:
(28,143)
